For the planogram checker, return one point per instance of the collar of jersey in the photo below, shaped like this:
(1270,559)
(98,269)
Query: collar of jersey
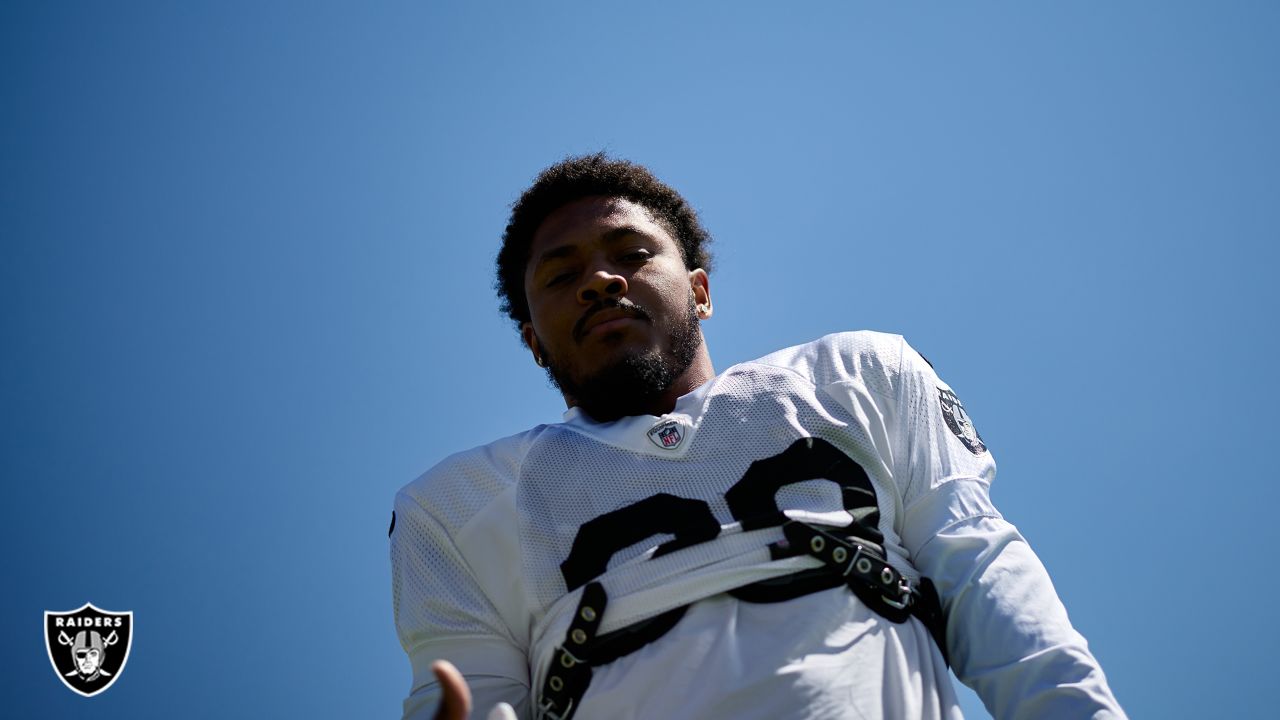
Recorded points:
(632,432)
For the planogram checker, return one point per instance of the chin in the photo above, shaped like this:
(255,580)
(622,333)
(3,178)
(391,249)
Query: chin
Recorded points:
(619,353)
(630,334)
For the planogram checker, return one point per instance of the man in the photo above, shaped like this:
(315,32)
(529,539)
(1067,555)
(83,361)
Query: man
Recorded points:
(808,535)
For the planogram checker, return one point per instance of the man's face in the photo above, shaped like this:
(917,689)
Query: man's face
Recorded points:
(87,660)
(613,309)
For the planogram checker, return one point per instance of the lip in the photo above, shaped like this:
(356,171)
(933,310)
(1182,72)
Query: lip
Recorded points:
(607,320)
(607,325)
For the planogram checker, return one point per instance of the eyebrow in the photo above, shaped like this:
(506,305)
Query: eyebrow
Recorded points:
(610,237)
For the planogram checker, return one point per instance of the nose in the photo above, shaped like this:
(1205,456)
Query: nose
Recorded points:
(603,283)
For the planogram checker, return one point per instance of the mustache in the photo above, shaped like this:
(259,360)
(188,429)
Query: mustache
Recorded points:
(626,306)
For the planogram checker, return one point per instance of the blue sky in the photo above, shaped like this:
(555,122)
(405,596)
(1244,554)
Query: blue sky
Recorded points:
(246,295)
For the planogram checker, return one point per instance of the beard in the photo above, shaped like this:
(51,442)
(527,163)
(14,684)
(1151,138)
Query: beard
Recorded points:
(633,383)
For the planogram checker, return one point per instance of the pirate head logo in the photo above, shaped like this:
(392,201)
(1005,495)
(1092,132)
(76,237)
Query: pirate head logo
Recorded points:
(666,435)
(87,650)
(959,422)
(88,647)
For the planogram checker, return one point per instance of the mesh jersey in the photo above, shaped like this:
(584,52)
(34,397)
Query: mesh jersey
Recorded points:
(491,548)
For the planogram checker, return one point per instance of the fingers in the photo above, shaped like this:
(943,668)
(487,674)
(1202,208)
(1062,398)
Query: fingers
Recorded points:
(502,711)
(455,699)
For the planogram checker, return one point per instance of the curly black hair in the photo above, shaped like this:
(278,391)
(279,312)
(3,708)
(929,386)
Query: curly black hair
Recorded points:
(578,177)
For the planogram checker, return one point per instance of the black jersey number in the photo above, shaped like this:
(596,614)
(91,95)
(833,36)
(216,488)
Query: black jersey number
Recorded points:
(752,501)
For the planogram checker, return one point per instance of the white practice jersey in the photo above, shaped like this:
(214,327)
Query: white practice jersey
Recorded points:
(675,515)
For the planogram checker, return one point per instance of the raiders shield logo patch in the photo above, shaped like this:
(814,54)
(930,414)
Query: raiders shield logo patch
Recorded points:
(959,422)
(666,435)
(88,647)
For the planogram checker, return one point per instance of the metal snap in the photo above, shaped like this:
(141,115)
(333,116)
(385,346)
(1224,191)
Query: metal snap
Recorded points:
(588,613)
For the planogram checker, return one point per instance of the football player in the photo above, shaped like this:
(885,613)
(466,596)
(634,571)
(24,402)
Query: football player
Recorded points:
(807,535)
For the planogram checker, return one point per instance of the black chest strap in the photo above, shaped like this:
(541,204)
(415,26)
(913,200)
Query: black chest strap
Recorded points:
(858,563)
(868,574)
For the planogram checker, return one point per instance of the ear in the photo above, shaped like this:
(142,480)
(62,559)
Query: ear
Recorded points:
(531,342)
(701,285)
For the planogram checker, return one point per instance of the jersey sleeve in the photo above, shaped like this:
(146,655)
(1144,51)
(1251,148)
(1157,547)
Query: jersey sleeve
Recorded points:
(442,612)
(1008,634)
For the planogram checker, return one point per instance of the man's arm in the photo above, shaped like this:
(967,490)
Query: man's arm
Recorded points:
(441,612)
(1008,634)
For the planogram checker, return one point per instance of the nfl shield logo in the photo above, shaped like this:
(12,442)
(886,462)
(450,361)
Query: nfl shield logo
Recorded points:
(666,435)
(88,647)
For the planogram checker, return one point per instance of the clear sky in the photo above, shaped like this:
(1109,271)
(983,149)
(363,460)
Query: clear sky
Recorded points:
(245,295)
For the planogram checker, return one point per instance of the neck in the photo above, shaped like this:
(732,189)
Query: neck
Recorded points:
(700,371)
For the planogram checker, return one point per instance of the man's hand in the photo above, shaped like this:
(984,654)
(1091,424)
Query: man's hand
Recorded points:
(455,700)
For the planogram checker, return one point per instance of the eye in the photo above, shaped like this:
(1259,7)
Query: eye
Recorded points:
(637,255)
(560,279)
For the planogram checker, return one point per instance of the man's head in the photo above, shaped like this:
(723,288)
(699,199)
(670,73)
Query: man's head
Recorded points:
(605,270)
(88,650)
